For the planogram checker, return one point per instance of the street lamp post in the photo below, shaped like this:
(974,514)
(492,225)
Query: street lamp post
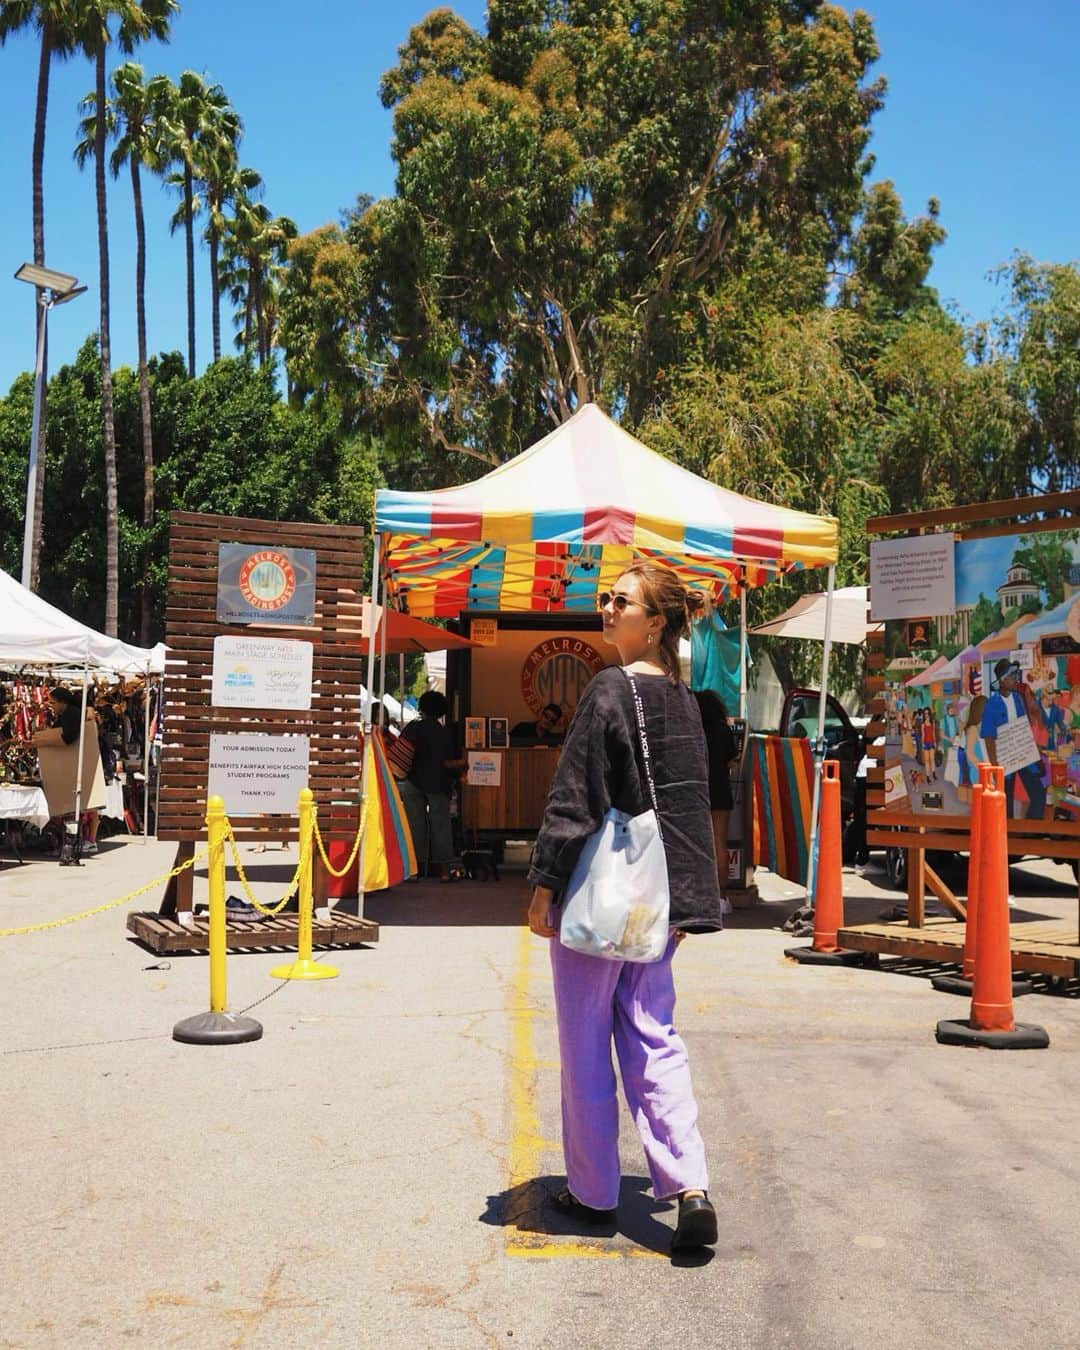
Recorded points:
(52,288)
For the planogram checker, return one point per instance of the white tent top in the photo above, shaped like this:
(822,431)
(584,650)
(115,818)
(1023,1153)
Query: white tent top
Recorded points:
(35,633)
(806,617)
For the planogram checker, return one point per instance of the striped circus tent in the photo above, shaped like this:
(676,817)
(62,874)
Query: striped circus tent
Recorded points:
(553,527)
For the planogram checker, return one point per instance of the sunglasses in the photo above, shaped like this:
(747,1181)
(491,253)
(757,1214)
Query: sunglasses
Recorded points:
(619,601)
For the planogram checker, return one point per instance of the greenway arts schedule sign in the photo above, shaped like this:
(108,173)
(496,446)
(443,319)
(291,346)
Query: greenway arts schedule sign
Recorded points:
(257,774)
(261,673)
(264,584)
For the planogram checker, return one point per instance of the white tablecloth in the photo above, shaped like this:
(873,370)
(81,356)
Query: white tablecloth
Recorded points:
(23,803)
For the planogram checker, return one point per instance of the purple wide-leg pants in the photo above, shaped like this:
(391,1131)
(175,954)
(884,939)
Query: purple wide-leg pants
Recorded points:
(635,1003)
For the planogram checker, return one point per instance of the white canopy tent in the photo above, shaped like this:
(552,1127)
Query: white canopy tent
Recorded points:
(37,634)
(806,617)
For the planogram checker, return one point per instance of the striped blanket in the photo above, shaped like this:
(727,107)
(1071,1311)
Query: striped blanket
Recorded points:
(783,784)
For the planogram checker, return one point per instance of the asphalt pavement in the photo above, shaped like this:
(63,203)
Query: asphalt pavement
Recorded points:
(374,1171)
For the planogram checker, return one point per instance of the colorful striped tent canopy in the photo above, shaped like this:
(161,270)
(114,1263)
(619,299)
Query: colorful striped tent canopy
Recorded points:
(553,527)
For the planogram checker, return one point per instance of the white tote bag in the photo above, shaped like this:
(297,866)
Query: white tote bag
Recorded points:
(617,902)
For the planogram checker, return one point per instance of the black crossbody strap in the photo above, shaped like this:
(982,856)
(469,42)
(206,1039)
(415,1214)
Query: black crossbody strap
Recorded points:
(639,708)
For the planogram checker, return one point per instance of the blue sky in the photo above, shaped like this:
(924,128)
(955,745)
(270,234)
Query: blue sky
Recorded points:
(979,114)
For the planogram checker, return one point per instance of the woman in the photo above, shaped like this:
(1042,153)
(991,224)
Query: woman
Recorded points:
(720,751)
(602,766)
(425,793)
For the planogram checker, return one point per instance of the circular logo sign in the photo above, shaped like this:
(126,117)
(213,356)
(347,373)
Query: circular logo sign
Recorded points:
(557,671)
(267,580)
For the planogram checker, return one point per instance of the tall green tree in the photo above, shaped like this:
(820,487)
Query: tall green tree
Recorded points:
(568,185)
(255,248)
(219,177)
(54,22)
(135,21)
(134,119)
(196,111)
(1040,336)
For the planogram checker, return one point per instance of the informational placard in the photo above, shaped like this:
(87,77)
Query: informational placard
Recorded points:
(475,733)
(485,768)
(911,578)
(261,673)
(258,774)
(484,632)
(1015,745)
(498,733)
(265,584)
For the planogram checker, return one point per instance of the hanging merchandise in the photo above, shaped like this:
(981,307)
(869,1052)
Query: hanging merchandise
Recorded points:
(714,658)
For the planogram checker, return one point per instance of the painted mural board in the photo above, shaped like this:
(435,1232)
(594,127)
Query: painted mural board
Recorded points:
(996,675)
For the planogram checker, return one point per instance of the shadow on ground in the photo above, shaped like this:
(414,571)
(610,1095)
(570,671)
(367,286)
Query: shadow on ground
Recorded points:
(456,904)
(528,1209)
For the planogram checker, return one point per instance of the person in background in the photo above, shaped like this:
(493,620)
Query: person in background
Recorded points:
(720,746)
(1007,705)
(544,731)
(67,711)
(928,745)
(425,793)
(602,766)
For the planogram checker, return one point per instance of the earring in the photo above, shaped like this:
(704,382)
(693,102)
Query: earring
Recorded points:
(650,639)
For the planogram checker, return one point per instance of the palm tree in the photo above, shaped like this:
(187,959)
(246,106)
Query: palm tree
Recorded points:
(197,111)
(134,117)
(137,20)
(52,19)
(220,178)
(256,247)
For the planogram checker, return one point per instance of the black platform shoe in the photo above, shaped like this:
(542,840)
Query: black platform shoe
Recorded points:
(697,1223)
(567,1203)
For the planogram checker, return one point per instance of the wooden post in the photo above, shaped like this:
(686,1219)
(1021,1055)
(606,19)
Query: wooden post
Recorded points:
(320,883)
(916,887)
(180,890)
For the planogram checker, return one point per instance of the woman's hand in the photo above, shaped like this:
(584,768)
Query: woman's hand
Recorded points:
(539,906)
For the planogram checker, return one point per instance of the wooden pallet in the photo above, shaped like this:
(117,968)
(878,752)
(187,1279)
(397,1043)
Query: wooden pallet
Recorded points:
(1045,948)
(163,935)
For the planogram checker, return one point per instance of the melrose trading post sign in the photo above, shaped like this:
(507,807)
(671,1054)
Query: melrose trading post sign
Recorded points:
(255,773)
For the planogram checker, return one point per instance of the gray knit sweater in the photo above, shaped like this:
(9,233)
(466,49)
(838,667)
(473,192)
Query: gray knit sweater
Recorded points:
(602,766)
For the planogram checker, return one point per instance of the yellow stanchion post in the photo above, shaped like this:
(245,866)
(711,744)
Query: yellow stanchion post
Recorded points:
(217,1027)
(304,967)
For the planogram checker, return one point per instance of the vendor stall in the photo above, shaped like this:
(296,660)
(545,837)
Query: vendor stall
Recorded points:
(42,646)
(543,535)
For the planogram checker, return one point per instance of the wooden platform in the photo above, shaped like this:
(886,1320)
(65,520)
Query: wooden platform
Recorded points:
(164,935)
(1046,948)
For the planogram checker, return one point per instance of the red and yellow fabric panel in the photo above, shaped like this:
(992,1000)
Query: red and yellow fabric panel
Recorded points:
(783,790)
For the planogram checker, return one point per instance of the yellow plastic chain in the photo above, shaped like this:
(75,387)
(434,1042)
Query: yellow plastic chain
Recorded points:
(112,904)
(352,856)
(305,859)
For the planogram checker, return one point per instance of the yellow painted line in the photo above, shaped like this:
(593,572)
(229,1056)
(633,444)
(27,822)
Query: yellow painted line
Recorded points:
(579,1251)
(528,1143)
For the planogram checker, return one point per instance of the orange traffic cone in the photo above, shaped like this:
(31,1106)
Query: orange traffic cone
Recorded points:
(964,983)
(991,1022)
(828,883)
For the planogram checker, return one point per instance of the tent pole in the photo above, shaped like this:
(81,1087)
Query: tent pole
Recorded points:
(401,690)
(146,757)
(382,659)
(376,586)
(78,768)
(742,647)
(819,743)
